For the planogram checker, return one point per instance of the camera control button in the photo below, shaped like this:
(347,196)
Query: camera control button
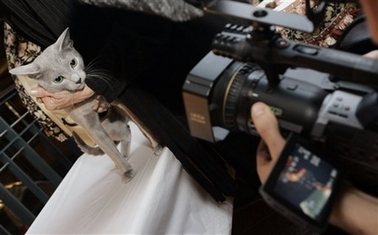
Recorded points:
(334,109)
(335,105)
(233,27)
(282,43)
(306,50)
(292,87)
(345,111)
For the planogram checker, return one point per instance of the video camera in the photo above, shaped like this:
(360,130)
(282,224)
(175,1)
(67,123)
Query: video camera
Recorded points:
(325,95)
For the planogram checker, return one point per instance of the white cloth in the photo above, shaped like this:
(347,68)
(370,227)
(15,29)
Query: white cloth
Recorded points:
(161,199)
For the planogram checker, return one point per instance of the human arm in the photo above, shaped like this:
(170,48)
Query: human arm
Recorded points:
(355,211)
(371,10)
(372,54)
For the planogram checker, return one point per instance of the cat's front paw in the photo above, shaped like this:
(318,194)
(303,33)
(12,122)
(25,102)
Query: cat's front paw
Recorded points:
(100,104)
(128,175)
(158,150)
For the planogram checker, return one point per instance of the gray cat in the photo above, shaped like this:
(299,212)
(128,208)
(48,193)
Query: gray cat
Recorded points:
(60,67)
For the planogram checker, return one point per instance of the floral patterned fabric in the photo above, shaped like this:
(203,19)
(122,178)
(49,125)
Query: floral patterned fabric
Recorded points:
(337,18)
(20,51)
(177,10)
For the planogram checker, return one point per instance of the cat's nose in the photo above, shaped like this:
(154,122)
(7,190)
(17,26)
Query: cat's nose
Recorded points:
(77,79)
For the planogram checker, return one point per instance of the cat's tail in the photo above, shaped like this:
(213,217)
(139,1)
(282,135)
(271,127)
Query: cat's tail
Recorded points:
(96,151)
(157,148)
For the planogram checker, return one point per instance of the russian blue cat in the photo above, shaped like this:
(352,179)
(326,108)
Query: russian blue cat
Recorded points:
(60,67)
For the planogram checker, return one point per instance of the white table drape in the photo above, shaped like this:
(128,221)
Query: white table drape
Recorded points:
(161,199)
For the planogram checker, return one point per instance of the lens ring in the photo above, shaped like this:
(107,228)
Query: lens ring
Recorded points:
(232,96)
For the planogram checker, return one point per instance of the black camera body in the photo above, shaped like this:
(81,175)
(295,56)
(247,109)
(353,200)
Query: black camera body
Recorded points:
(220,97)
(252,62)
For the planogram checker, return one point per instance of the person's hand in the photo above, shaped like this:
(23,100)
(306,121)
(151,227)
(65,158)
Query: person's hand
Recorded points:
(100,104)
(271,143)
(354,211)
(60,100)
(372,54)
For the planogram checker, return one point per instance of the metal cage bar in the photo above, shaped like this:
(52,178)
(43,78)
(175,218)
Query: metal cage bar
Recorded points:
(16,149)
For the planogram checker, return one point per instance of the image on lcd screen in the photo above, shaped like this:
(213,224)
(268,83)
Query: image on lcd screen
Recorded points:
(306,182)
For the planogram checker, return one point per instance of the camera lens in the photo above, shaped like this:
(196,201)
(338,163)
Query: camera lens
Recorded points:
(294,102)
(233,95)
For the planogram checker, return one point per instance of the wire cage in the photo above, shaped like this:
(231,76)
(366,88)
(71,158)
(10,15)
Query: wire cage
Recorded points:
(31,164)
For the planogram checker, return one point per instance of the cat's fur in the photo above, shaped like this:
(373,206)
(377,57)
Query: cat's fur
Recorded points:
(60,67)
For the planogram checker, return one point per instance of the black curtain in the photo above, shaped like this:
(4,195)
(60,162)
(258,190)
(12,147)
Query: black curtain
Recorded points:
(150,57)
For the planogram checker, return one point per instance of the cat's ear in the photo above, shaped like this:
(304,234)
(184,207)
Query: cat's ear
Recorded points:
(28,70)
(64,41)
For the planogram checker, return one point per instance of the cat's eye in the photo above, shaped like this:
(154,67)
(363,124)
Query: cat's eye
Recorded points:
(59,79)
(73,63)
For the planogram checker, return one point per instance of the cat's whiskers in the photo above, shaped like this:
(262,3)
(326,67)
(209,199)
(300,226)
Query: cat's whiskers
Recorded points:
(103,76)
(97,73)
(93,63)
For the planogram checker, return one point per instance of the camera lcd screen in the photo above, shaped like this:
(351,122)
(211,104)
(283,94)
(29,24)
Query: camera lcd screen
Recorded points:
(306,182)
(302,184)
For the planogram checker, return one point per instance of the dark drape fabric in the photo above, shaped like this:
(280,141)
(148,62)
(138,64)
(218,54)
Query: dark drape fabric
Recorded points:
(148,57)
(202,164)
(40,21)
